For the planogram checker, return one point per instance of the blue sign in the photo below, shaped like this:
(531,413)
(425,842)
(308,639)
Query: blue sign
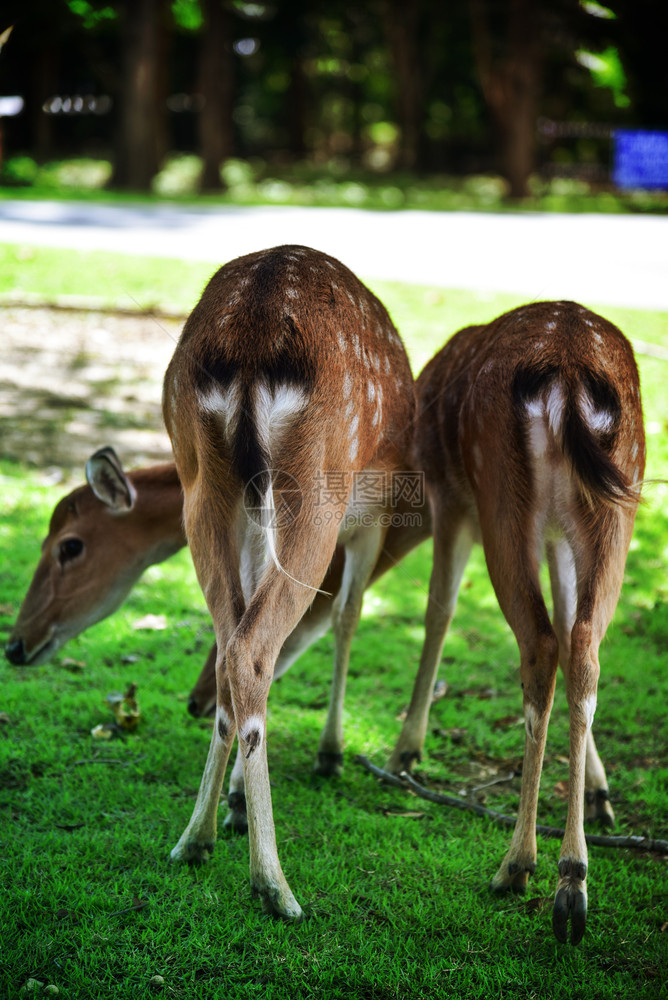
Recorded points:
(640,159)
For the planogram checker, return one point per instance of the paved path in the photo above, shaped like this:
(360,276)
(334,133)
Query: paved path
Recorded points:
(596,259)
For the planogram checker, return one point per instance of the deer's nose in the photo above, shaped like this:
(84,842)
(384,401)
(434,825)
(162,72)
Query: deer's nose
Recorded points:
(15,652)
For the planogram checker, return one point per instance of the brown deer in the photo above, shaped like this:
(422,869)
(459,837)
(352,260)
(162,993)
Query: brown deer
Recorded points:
(289,396)
(530,433)
(104,535)
(101,539)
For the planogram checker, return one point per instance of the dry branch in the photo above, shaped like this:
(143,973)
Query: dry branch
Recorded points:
(405,781)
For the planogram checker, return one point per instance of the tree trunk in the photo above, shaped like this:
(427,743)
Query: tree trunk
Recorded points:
(402,24)
(141,141)
(216,84)
(510,83)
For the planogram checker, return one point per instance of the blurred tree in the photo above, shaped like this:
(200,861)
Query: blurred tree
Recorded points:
(216,86)
(142,134)
(404,24)
(508,51)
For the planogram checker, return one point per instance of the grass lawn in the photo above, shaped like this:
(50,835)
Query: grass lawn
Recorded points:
(394,888)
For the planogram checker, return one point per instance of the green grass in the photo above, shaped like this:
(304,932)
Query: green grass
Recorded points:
(334,184)
(394,888)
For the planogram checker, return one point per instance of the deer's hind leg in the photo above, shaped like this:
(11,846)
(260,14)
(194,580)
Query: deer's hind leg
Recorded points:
(600,570)
(282,597)
(563,581)
(513,568)
(222,588)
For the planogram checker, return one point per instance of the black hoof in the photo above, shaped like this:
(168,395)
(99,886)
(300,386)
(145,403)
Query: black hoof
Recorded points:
(516,879)
(408,758)
(236,818)
(569,902)
(598,808)
(194,852)
(329,765)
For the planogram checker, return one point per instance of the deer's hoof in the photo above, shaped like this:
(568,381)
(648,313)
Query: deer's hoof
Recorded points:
(598,808)
(277,901)
(193,852)
(329,765)
(513,876)
(570,903)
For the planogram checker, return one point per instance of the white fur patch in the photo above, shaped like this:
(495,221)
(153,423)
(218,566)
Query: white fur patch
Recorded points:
(596,420)
(554,406)
(224,404)
(222,716)
(275,411)
(354,424)
(531,718)
(589,707)
(354,448)
(253,724)
(347,385)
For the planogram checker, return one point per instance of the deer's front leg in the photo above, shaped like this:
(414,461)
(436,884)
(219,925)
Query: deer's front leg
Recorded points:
(452,547)
(362,548)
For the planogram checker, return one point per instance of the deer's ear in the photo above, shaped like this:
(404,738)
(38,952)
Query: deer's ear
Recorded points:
(108,482)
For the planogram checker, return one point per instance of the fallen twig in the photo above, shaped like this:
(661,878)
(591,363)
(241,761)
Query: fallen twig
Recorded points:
(405,781)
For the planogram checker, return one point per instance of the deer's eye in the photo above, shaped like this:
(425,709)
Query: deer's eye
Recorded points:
(69,549)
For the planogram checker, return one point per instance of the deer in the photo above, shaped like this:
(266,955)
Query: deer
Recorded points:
(101,538)
(529,430)
(104,535)
(289,394)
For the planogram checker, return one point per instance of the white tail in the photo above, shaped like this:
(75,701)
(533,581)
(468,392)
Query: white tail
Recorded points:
(530,433)
(287,331)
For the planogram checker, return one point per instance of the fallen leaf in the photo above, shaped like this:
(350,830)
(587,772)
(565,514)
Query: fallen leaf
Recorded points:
(125,708)
(4,719)
(106,731)
(154,622)
(507,721)
(74,666)
(7,609)
(561,789)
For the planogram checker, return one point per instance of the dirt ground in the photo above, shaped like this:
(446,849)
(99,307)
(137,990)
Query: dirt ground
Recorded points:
(73,381)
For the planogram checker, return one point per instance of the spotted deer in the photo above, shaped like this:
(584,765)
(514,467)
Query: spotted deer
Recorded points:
(103,536)
(288,373)
(530,434)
